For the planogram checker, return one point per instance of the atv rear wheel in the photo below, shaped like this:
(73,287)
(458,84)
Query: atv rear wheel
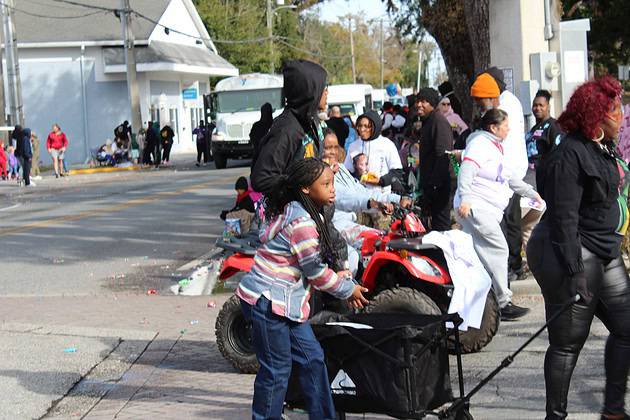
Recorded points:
(403,300)
(475,339)
(234,337)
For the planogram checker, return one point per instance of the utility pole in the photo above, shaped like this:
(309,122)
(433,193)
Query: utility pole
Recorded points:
(270,35)
(16,108)
(382,59)
(3,121)
(130,62)
(354,70)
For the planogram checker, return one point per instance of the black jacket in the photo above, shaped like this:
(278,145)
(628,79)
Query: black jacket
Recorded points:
(436,137)
(167,134)
(261,127)
(581,187)
(27,149)
(18,135)
(245,204)
(304,83)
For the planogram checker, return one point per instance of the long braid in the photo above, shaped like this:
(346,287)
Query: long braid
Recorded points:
(300,174)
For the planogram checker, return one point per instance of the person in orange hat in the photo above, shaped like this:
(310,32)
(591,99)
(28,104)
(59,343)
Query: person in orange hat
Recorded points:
(488,92)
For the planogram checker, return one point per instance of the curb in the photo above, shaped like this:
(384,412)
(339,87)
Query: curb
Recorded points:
(104,169)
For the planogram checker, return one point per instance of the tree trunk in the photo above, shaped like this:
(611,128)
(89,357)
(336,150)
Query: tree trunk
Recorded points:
(477,16)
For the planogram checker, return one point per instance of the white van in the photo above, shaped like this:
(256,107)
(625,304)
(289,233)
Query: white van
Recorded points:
(353,100)
(234,106)
(378,99)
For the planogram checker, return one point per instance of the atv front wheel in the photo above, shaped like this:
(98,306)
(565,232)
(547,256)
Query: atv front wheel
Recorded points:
(475,339)
(234,337)
(403,300)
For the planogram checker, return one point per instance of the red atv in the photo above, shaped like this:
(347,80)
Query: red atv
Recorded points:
(401,273)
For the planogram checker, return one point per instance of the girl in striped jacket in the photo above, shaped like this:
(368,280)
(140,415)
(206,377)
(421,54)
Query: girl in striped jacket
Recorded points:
(275,293)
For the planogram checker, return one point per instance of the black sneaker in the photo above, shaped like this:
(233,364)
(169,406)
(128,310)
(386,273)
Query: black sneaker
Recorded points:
(511,312)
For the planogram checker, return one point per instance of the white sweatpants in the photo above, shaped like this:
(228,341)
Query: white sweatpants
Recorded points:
(491,248)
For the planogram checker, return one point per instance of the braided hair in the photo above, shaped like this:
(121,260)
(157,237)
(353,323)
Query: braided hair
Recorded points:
(300,174)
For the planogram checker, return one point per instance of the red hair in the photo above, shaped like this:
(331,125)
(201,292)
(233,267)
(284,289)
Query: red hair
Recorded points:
(589,105)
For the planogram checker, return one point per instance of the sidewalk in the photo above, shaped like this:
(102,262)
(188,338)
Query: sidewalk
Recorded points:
(167,365)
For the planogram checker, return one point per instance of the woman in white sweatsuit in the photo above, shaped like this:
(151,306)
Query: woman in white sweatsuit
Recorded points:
(484,188)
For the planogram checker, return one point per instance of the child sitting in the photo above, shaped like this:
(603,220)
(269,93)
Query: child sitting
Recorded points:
(244,210)
(14,165)
(275,293)
(360,164)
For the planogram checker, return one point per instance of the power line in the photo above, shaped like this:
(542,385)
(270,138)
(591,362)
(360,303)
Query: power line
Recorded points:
(88,6)
(33,14)
(315,54)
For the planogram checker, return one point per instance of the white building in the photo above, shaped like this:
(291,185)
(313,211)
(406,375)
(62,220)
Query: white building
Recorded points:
(536,50)
(73,70)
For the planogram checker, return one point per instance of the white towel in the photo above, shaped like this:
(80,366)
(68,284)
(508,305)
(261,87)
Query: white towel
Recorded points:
(471,282)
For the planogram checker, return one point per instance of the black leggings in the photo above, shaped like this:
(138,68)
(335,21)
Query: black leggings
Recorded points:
(610,285)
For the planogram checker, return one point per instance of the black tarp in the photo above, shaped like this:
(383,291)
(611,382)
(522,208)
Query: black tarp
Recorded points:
(399,367)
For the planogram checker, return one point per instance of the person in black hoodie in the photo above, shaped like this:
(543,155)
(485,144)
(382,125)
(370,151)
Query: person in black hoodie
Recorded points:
(166,136)
(435,175)
(149,144)
(261,127)
(297,134)
(25,155)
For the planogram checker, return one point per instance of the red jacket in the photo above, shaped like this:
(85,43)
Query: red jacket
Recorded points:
(56,141)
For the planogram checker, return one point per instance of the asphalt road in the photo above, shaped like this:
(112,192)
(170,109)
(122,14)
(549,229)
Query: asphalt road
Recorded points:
(110,232)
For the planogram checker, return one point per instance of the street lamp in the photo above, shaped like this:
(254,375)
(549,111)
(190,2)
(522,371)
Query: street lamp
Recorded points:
(270,12)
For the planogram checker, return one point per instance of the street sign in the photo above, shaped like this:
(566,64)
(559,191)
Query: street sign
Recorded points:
(189,94)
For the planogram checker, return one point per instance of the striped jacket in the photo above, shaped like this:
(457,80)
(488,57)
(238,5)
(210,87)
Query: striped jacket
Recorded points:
(289,264)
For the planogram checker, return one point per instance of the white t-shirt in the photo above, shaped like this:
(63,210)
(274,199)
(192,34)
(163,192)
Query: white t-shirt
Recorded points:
(514,143)
(382,157)
(490,188)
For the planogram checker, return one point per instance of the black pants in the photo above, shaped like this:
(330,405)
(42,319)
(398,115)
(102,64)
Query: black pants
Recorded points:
(166,152)
(146,154)
(437,204)
(610,285)
(26,170)
(202,150)
(157,155)
(511,225)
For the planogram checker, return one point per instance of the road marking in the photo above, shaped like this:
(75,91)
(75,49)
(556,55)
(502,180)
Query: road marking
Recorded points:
(199,260)
(105,210)
(11,207)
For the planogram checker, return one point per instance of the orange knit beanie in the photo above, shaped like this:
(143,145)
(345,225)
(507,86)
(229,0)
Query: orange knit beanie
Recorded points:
(485,87)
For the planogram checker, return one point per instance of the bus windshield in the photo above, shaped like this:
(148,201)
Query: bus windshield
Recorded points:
(346,109)
(248,100)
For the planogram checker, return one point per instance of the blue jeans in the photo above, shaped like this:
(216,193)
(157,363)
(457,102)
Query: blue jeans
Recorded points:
(279,343)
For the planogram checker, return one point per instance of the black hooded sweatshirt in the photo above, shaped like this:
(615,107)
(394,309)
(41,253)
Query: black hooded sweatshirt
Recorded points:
(394,176)
(304,83)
